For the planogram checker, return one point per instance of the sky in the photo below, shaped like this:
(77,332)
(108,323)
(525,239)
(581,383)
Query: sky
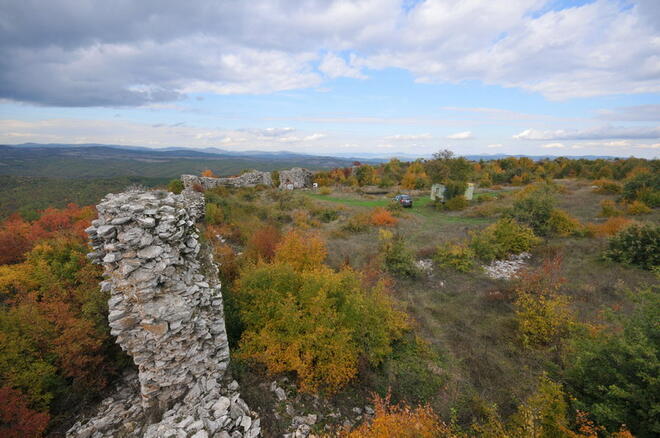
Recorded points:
(335,77)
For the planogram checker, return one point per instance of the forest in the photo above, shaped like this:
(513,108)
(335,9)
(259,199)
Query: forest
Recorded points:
(530,310)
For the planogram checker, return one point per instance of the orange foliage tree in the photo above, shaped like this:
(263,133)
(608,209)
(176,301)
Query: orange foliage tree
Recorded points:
(382,217)
(208,173)
(400,421)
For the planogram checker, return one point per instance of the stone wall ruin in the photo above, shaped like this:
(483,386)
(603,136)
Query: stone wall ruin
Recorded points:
(166,312)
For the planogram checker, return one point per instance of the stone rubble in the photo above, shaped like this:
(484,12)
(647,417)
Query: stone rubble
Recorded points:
(166,312)
(507,269)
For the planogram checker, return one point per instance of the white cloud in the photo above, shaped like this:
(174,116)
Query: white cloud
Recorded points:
(553,146)
(496,145)
(460,135)
(599,133)
(137,53)
(409,137)
(334,67)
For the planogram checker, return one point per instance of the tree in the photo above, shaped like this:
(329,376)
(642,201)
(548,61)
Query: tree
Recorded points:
(615,375)
(400,421)
(17,420)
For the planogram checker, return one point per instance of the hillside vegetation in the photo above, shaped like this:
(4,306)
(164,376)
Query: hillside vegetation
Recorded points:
(530,310)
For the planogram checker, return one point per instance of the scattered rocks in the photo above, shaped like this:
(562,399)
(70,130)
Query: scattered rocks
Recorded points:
(425,266)
(507,269)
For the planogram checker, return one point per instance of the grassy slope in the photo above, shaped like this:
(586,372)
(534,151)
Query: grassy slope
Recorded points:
(484,360)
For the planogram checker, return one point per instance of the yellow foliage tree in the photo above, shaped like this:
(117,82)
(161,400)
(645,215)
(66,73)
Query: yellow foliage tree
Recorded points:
(302,251)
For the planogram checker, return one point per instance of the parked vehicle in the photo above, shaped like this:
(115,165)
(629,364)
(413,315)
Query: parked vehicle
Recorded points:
(404,200)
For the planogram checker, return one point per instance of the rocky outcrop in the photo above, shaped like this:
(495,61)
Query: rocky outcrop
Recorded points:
(166,312)
(248,179)
(296,178)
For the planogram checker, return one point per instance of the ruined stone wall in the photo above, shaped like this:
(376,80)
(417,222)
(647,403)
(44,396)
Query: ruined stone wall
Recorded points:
(296,178)
(248,179)
(166,312)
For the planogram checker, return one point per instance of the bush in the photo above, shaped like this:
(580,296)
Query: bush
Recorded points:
(644,187)
(262,243)
(382,217)
(607,187)
(504,237)
(636,245)
(454,189)
(455,256)
(317,323)
(325,191)
(397,259)
(608,228)
(411,372)
(542,314)
(400,421)
(175,186)
(614,374)
(208,173)
(563,224)
(327,215)
(637,207)
(456,203)
(357,223)
(608,208)
(534,207)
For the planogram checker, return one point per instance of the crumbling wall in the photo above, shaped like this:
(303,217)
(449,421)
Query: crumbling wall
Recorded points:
(296,178)
(166,312)
(248,179)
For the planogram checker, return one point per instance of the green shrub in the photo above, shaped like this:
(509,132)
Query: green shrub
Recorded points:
(504,237)
(327,215)
(608,208)
(613,375)
(534,208)
(412,372)
(175,186)
(456,203)
(636,245)
(275,176)
(454,189)
(644,187)
(397,259)
(455,256)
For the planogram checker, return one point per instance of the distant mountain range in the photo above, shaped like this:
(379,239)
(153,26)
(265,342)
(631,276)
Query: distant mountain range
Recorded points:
(109,161)
(285,155)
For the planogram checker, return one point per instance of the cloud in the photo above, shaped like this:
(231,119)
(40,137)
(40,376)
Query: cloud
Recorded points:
(637,113)
(138,53)
(335,67)
(553,146)
(496,145)
(409,137)
(460,135)
(600,133)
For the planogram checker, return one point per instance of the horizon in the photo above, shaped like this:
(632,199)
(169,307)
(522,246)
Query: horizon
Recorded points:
(348,156)
(337,78)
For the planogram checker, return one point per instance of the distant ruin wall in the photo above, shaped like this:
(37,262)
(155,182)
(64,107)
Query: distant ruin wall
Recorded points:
(296,178)
(166,312)
(248,179)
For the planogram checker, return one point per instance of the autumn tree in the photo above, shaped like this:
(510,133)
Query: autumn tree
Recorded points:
(400,421)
